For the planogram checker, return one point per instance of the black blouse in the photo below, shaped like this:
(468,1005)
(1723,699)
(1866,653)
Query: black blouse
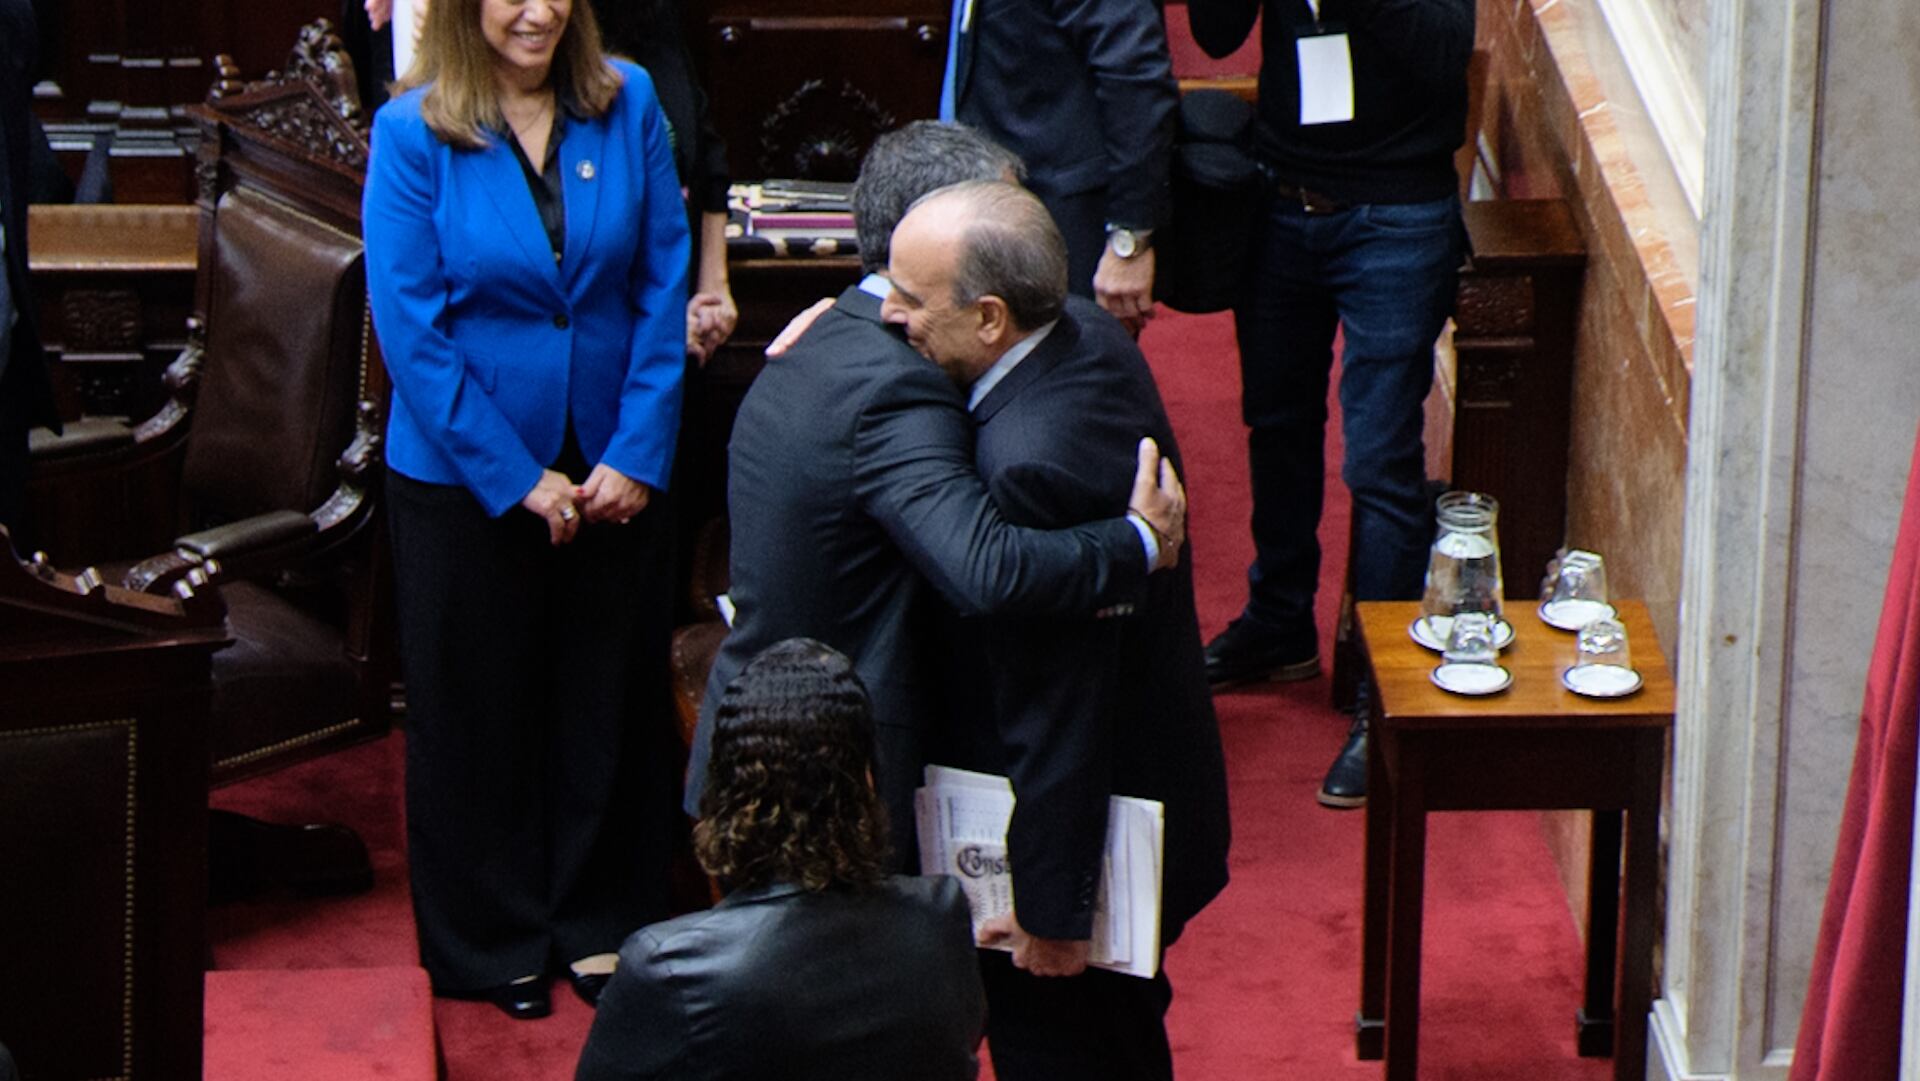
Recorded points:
(549,193)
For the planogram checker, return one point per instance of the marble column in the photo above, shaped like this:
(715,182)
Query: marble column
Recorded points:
(1805,397)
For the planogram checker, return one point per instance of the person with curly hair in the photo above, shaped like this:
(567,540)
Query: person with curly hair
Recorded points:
(818,963)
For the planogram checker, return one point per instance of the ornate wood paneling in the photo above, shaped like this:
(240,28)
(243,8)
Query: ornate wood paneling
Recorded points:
(799,88)
(131,68)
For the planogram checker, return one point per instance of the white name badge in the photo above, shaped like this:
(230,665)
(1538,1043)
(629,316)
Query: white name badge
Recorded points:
(1326,79)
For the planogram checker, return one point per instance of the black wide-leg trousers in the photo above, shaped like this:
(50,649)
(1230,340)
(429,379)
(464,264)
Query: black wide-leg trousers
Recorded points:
(540,790)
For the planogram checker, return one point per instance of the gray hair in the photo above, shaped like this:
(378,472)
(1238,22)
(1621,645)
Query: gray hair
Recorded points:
(907,163)
(1010,248)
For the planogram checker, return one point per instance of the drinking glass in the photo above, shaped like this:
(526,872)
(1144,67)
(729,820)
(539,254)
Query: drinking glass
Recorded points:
(1603,642)
(1470,639)
(1470,663)
(1602,666)
(1578,593)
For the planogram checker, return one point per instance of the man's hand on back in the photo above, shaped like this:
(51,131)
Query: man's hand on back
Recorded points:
(1159,498)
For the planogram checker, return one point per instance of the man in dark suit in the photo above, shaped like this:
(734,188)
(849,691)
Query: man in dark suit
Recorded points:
(26,397)
(1071,709)
(1083,91)
(852,483)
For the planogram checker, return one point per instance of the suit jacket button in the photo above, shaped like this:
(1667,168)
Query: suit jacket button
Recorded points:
(560,321)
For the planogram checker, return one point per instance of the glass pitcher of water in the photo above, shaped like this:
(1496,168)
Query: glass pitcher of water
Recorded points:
(1463,569)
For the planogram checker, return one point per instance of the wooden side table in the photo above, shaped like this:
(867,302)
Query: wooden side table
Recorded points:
(1534,746)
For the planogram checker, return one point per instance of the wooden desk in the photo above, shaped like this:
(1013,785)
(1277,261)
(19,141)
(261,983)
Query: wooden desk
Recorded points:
(1534,746)
(103,819)
(115,287)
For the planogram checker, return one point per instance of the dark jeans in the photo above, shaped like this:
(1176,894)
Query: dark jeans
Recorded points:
(1387,274)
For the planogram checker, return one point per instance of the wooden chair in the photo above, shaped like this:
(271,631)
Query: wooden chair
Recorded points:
(263,468)
(103,820)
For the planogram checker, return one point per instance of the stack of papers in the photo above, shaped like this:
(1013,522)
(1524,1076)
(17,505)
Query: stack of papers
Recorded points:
(962,817)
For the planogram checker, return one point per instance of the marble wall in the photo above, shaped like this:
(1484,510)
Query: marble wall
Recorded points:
(1686,24)
(1861,397)
(1753,482)
(1557,124)
(1555,130)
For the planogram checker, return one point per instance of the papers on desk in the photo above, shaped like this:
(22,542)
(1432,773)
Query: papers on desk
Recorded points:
(962,817)
(791,210)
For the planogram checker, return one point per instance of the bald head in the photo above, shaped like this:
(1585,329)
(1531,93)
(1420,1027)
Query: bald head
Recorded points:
(975,268)
(1003,243)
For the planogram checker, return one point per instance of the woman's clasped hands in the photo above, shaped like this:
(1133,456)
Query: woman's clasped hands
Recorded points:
(608,496)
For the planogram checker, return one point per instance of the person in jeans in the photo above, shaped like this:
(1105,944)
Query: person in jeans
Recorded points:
(1362,104)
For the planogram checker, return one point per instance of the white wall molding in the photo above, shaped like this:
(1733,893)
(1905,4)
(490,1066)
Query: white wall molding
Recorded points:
(1740,554)
(1666,92)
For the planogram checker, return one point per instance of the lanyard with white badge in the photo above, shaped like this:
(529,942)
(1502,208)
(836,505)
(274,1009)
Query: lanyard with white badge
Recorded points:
(1326,73)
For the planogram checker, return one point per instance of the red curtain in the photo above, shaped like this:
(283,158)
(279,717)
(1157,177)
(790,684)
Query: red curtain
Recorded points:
(1850,1030)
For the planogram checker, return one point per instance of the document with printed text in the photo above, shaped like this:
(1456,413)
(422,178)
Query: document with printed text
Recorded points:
(962,818)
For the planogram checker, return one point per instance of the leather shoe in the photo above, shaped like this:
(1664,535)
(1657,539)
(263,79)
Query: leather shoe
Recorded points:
(1246,653)
(1346,785)
(523,1000)
(588,985)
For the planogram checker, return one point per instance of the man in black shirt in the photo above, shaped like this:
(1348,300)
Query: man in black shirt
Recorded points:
(1362,104)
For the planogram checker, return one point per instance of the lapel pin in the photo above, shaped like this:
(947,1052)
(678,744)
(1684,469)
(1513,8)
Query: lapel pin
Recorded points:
(584,169)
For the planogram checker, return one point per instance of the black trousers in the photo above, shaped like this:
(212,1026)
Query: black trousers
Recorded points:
(1097,1026)
(1081,219)
(542,800)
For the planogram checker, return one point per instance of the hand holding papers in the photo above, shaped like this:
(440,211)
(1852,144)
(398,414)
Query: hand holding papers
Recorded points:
(962,820)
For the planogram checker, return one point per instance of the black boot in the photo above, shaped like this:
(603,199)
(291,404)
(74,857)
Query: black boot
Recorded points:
(1346,784)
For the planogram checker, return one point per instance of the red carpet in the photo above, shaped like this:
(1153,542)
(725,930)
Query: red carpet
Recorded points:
(1266,980)
(319,1024)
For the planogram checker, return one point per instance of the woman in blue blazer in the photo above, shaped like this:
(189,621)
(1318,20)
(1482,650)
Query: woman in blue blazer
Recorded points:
(526,259)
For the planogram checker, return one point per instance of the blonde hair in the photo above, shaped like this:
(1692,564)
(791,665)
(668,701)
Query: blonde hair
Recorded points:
(455,63)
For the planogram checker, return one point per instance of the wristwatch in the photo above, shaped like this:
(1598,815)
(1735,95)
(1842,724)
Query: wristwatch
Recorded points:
(1127,243)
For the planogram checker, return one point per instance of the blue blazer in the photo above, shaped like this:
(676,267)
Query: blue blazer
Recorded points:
(491,344)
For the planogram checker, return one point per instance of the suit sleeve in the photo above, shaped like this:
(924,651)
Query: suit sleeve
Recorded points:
(643,443)
(1125,46)
(640,1027)
(1053,707)
(407,288)
(914,471)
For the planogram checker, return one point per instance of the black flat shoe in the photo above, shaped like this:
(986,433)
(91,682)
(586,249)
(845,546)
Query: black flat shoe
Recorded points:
(588,985)
(523,1000)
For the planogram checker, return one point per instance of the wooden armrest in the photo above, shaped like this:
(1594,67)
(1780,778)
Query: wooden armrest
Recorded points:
(248,534)
(84,436)
(235,544)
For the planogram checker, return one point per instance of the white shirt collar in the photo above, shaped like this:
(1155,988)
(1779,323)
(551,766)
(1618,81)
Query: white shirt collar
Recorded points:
(875,285)
(985,384)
